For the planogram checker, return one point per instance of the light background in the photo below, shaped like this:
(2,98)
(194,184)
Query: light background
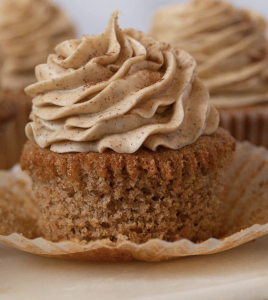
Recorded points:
(91,16)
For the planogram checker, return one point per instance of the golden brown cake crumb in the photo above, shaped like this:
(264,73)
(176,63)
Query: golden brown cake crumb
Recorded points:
(167,194)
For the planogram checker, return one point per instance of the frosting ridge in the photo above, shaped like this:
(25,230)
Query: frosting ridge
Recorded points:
(29,31)
(229,45)
(119,90)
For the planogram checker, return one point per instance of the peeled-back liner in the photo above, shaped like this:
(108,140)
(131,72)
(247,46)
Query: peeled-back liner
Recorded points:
(244,218)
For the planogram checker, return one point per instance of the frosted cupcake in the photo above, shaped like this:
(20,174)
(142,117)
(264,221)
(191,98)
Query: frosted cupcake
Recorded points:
(124,142)
(230,47)
(29,31)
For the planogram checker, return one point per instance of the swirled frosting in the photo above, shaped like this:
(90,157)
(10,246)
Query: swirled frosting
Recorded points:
(229,45)
(29,32)
(119,90)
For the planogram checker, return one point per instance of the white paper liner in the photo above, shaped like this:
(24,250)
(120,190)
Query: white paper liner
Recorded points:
(247,206)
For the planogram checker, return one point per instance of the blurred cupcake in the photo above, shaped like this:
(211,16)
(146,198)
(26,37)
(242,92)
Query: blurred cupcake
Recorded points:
(18,212)
(124,143)
(7,127)
(29,31)
(230,47)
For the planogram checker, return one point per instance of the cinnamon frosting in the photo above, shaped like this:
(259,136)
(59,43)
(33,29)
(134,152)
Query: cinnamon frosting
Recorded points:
(119,90)
(229,45)
(29,31)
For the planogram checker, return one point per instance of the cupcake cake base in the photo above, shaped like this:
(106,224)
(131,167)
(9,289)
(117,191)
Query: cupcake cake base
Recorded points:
(12,127)
(7,126)
(247,123)
(167,194)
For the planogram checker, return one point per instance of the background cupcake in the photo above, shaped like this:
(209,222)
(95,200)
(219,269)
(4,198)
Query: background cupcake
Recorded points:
(7,127)
(124,143)
(230,47)
(29,31)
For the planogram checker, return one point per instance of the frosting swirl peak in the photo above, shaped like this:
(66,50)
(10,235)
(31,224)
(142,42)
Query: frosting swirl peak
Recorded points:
(229,45)
(119,90)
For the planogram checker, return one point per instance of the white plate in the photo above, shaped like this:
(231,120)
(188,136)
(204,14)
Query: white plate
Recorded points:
(241,273)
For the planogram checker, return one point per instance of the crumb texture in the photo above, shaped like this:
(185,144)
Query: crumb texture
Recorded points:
(166,194)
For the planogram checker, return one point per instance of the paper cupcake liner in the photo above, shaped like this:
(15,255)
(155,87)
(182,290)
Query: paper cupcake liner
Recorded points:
(244,218)
(247,124)
(12,131)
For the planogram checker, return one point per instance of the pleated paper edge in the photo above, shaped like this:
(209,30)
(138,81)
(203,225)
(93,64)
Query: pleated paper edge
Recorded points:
(153,250)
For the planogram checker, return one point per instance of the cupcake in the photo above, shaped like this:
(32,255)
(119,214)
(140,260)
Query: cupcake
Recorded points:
(230,47)
(7,126)
(124,143)
(29,32)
